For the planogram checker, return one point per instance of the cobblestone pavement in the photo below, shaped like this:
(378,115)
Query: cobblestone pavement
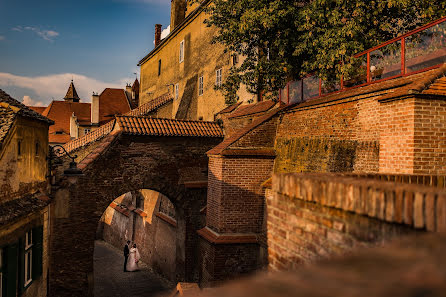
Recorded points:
(111,281)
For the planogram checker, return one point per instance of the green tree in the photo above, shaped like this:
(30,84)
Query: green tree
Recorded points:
(280,40)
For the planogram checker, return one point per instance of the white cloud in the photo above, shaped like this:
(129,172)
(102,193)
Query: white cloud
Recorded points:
(164,33)
(48,35)
(30,102)
(54,87)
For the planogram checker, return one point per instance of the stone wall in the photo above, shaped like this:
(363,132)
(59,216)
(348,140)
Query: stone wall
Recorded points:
(312,216)
(147,219)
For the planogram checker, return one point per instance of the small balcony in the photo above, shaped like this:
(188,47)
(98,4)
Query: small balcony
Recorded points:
(417,51)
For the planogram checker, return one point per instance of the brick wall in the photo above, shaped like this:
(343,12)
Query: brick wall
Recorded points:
(312,216)
(430,137)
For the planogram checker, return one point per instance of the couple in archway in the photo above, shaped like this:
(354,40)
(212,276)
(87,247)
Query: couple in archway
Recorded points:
(131,255)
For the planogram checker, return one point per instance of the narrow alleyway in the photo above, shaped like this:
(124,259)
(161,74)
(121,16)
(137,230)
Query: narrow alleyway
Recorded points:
(111,281)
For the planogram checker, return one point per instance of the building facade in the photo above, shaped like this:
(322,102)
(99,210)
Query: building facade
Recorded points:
(24,207)
(187,65)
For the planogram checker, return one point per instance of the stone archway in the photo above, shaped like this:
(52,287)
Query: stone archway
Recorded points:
(173,166)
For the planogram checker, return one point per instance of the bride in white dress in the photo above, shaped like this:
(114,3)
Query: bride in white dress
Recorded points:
(132,263)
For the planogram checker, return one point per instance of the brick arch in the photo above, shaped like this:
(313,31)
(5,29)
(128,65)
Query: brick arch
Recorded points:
(121,163)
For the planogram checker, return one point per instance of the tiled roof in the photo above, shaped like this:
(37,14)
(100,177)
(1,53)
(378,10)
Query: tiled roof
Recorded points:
(38,109)
(168,127)
(220,148)
(71,93)
(7,116)
(112,102)
(230,108)
(253,108)
(15,209)
(24,110)
(150,106)
(60,112)
(135,86)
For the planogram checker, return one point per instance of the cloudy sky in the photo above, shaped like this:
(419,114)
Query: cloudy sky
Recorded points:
(46,43)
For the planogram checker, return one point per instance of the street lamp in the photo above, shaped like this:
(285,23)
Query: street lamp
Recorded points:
(72,173)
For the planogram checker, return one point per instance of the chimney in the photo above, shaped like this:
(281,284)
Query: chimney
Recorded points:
(95,109)
(177,12)
(157,34)
(74,128)
(128,91)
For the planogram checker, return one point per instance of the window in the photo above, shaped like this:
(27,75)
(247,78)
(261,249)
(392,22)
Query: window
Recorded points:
(234,59)
(218,78)
(200,86)
(19,148)
(37,148)
(59,132)
(159,67)
(181,51)
(177,91)
(28,258)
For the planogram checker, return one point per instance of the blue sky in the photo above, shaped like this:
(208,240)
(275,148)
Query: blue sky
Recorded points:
(45,43)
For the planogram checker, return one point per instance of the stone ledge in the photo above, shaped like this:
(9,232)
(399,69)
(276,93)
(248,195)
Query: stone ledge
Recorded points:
(227,238)
(166,219)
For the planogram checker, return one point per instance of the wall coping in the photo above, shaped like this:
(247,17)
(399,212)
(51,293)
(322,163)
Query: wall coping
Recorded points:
(419,206)
(227,238)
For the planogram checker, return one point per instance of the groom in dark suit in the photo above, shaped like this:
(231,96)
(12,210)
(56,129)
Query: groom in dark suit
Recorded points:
(126,254)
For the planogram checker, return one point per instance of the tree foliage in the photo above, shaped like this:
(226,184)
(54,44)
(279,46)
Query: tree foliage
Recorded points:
(281,40)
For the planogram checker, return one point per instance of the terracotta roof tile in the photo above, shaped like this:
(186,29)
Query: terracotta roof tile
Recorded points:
(24,110)
(15,209)
(168,127)
(60,112)
(253,108)
(38,109)
(220,148)
(230,108)
(112,102)
(150,106)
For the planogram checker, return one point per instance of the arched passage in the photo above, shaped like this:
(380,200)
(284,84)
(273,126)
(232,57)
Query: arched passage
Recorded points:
(121,163)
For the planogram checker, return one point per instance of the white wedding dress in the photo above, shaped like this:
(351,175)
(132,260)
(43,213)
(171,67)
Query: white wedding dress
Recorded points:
(132,262)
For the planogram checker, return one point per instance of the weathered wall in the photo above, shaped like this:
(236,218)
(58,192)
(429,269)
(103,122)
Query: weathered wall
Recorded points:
(201,58)
(312,216)
(151,225)
(126,164)
(24,173)
(10,234)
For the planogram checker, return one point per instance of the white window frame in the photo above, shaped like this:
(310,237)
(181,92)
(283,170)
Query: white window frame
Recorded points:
(200,85)
(182,51)
(28,277)
(177,91)
(218,77)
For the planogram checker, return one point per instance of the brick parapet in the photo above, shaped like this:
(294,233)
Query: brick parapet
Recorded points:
(417,206)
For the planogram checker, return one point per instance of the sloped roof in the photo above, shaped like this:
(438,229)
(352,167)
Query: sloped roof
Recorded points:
(60,112)
(168,127)
(249,109)
(229,108)
(135,86)
(151,105)
(7,116)
(71,93)
(24,110)
(112,102)
(39,109)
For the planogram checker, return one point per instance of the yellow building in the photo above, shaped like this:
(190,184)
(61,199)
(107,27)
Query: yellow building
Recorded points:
(24,207)
(187,65)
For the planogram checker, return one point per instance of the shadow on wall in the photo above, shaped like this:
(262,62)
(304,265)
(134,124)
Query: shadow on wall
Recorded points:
(148,219)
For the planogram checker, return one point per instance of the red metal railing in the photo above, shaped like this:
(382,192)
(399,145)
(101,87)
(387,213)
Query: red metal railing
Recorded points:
(416,51)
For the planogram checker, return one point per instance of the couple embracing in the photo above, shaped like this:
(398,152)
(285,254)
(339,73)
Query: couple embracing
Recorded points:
(131,255)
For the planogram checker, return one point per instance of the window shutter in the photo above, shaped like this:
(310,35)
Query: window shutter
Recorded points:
(21,265)
(10,283)
(37,252)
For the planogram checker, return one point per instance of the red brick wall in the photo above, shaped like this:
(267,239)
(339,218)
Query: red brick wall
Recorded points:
(397,136)
(235,203)
(312,216)
(430,137)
